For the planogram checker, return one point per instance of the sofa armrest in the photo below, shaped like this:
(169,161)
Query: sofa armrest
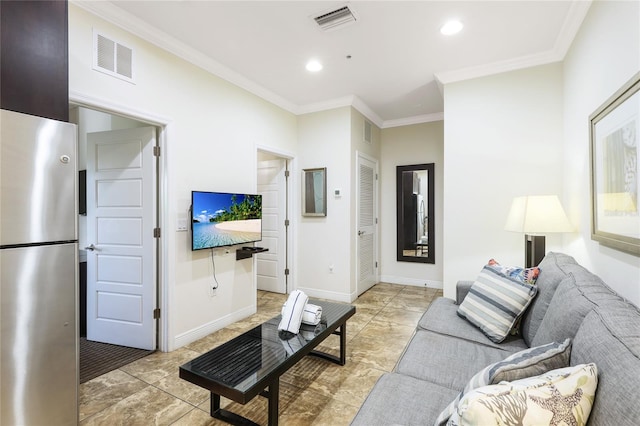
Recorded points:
(462,288)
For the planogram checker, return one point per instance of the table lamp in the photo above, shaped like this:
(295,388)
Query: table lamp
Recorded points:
(535,215)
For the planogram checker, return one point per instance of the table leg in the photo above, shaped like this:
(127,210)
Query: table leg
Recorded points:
(274,398)
(342,359)
(215,404)
(343,343)
(228,416)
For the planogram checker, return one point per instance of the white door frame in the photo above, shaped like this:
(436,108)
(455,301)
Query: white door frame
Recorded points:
(164,269)
(292,195)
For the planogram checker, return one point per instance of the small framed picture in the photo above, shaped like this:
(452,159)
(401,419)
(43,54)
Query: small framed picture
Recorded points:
(314,192)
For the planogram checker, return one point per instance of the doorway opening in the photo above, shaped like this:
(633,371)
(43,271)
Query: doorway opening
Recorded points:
(103,350)
(273,184)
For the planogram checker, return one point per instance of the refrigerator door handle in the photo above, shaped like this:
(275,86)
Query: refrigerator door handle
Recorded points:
(90,247)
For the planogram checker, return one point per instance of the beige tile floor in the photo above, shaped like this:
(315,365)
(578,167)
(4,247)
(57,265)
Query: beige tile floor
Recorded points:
(149,391)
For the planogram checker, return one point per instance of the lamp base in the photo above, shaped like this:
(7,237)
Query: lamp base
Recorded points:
(533,250)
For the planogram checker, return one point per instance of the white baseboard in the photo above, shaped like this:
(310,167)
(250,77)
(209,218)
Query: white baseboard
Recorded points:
(211,327)
(411,281)
(331,295)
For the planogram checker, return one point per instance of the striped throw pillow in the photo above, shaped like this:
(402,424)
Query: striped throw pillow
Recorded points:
(526,363)
(495,302)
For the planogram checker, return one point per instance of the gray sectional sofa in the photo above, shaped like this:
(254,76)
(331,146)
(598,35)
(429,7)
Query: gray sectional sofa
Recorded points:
(571,302)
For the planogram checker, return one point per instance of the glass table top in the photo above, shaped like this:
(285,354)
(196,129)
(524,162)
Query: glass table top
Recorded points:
(248,359)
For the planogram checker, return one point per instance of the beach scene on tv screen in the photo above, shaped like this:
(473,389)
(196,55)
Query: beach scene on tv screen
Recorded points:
(221,219)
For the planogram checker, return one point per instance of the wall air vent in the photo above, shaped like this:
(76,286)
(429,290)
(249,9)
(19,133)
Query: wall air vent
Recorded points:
(367,131)
(113,58)
(335,19)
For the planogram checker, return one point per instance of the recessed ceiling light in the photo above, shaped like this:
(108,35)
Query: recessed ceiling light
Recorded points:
(313,66)
(451,27)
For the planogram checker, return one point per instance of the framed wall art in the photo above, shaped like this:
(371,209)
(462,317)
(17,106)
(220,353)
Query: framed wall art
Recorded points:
(615,181)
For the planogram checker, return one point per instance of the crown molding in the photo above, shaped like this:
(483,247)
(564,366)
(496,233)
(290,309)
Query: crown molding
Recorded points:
(346,101)
(136,26)
(118,17)
(418,119)
(496,67)
(325,105)
(364,109)
(570,27)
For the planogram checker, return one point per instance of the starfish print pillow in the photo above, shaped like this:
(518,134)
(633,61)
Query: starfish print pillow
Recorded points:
(559,397)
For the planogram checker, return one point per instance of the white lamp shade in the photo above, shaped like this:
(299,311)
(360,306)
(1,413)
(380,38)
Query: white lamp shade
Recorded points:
(537,215)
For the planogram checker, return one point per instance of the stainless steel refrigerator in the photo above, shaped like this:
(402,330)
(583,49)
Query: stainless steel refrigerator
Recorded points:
(38,261)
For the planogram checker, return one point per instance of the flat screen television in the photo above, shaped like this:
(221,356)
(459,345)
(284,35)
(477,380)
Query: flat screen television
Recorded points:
(220,219)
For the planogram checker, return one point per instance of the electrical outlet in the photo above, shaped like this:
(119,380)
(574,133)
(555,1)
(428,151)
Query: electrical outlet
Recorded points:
(214,292)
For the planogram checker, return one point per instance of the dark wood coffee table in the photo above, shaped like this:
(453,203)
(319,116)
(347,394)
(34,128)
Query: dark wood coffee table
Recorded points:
(253,362)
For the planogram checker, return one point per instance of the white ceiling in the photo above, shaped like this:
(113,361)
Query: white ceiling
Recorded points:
(399,59)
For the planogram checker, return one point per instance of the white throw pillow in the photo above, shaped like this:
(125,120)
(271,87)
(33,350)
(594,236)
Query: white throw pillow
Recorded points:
(526,363)
(563,396)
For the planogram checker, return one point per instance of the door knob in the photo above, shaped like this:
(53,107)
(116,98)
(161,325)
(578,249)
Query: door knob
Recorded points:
(360,232)
(90,248)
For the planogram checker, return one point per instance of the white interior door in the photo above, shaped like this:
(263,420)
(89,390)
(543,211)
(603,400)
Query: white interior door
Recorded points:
(271,264)
(367,223)
(120,231)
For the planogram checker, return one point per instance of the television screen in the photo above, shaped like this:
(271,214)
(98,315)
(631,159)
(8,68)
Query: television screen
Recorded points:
(224,219)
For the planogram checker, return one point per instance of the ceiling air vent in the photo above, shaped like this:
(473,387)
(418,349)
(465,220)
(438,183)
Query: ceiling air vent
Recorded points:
(335,19)
(113,58)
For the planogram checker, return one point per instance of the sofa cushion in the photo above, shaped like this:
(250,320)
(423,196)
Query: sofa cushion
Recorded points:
(551,273)
(610,338)
(462,289)
(441,318)
(563,396)
(402,400)
(527,363)
(495,302)
(571,302)
(444,360)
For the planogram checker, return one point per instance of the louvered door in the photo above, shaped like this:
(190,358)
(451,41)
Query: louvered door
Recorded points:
(366,223)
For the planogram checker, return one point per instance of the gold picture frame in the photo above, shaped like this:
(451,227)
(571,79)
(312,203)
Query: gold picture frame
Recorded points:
(615,179)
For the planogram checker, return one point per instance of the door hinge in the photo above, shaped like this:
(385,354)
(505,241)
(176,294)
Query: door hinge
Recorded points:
(376,220)
(376,176)
(376,264)
(286,222)
(156,151)
(156,313)
(286,173)
(156,232)
(286,271)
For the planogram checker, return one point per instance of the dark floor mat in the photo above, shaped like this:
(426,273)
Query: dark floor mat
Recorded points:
(97,359)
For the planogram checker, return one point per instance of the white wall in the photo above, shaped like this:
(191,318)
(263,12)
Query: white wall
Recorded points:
(212,134)
(603,57)
(326,263)
(503,138)
(323,242)
(528,132)
(401,146)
